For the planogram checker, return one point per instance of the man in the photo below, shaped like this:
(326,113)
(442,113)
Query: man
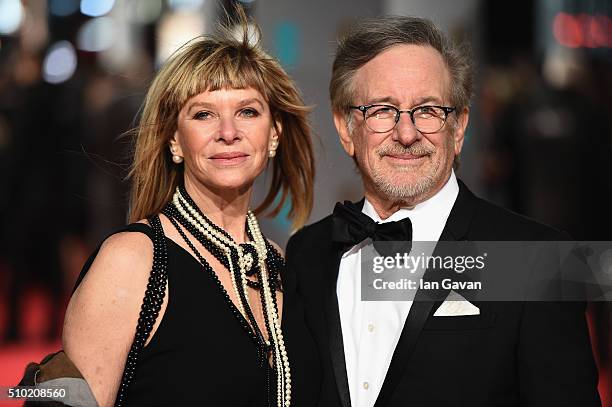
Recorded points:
(400,97)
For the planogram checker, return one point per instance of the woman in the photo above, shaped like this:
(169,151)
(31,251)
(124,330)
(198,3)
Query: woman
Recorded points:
(216,114)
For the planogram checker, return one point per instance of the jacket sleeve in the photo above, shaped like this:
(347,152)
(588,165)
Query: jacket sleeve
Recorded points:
(292,255)
(555,361)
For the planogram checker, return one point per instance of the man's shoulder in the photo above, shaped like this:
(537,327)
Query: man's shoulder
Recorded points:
(318,230)
(494,222)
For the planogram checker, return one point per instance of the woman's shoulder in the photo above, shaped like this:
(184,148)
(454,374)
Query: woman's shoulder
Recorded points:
(120,268)
(130,246)
(103,311)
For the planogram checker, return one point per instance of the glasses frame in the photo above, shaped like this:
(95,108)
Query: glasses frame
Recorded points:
(364,108)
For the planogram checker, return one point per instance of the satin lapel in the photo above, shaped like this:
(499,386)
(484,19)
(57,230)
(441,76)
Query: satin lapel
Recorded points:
(336,345)
(334,326)
(455,229)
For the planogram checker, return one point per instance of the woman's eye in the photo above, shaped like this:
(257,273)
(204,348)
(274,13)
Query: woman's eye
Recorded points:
(202,115)
(249,112)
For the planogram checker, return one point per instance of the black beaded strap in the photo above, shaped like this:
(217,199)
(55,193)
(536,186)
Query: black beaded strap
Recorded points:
(151,305)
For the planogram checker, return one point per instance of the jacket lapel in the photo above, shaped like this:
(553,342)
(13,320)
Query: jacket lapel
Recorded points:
(336,343)
(456,228)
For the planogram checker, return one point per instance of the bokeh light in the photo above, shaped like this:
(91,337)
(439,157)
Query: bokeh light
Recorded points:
(60,62)
(96,8)
(96,35)
(567,30)
(11,16)
(174,30)
(583,30)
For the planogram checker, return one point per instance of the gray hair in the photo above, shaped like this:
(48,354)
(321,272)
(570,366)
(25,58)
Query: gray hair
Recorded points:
(367,38)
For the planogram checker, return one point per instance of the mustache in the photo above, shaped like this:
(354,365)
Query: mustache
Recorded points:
(417,149)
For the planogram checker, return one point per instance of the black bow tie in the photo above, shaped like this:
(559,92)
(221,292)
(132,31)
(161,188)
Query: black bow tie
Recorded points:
(351,226)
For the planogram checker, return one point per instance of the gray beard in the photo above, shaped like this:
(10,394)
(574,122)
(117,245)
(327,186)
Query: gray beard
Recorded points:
(396,192)
(408,191)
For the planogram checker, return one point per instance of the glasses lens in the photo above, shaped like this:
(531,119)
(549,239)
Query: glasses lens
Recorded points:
(381,119)
(429,119)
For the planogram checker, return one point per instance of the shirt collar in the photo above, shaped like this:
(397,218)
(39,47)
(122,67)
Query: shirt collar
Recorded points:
(428,218)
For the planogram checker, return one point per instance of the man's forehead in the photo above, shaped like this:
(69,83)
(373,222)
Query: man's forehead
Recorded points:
(403,74)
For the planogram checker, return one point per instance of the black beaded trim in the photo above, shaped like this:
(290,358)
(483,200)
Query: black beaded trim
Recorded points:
(151,305)
(275,263)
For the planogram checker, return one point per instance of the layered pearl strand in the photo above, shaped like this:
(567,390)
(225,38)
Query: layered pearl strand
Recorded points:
(283,384)
(245,261)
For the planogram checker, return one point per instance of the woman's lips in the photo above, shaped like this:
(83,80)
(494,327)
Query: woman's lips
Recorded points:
(229,158)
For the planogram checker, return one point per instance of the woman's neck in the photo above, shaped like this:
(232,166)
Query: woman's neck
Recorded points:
(225,208)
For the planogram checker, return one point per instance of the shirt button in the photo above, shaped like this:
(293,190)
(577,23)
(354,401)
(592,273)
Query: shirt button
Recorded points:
(371,327)
(366,385)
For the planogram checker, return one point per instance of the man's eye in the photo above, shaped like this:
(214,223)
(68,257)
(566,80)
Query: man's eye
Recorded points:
(428,111)
(249,112)
(382,112)
(202,115)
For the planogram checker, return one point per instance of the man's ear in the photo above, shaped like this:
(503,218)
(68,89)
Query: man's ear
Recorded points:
(346,138)
(460,126)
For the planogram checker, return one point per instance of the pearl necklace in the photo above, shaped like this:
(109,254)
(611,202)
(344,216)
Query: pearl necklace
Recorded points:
(245,262)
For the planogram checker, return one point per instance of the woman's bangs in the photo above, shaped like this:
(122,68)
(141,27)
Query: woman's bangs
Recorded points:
(225,73)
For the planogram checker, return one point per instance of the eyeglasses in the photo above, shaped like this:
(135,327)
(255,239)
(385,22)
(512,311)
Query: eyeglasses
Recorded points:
(384,118)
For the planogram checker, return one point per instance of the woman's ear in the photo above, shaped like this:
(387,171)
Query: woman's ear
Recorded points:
(274,139)
(175,148)
(277,128)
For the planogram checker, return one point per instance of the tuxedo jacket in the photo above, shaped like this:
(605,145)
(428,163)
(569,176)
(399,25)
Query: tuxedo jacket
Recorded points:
(511,354)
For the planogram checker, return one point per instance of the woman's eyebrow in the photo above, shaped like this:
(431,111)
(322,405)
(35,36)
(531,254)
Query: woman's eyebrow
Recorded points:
(198,104)
(251,100)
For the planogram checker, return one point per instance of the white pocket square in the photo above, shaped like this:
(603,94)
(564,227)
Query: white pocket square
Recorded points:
(456,305)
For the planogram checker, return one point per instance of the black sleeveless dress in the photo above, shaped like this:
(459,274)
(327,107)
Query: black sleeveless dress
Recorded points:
(201,355)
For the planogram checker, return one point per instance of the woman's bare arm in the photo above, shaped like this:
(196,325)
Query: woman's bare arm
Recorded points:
(102,314)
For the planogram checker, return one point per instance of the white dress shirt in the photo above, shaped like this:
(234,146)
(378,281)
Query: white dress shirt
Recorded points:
(371,329)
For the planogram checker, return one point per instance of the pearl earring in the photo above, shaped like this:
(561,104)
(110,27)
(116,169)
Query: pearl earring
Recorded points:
(176,158)
(273,147)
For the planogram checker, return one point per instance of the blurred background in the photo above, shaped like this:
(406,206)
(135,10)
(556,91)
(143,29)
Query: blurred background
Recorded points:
(73,74)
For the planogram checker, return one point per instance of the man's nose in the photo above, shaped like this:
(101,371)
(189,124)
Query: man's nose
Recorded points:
(405,132)
(228,131)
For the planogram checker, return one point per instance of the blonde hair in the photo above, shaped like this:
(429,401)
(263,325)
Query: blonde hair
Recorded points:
(209,63)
